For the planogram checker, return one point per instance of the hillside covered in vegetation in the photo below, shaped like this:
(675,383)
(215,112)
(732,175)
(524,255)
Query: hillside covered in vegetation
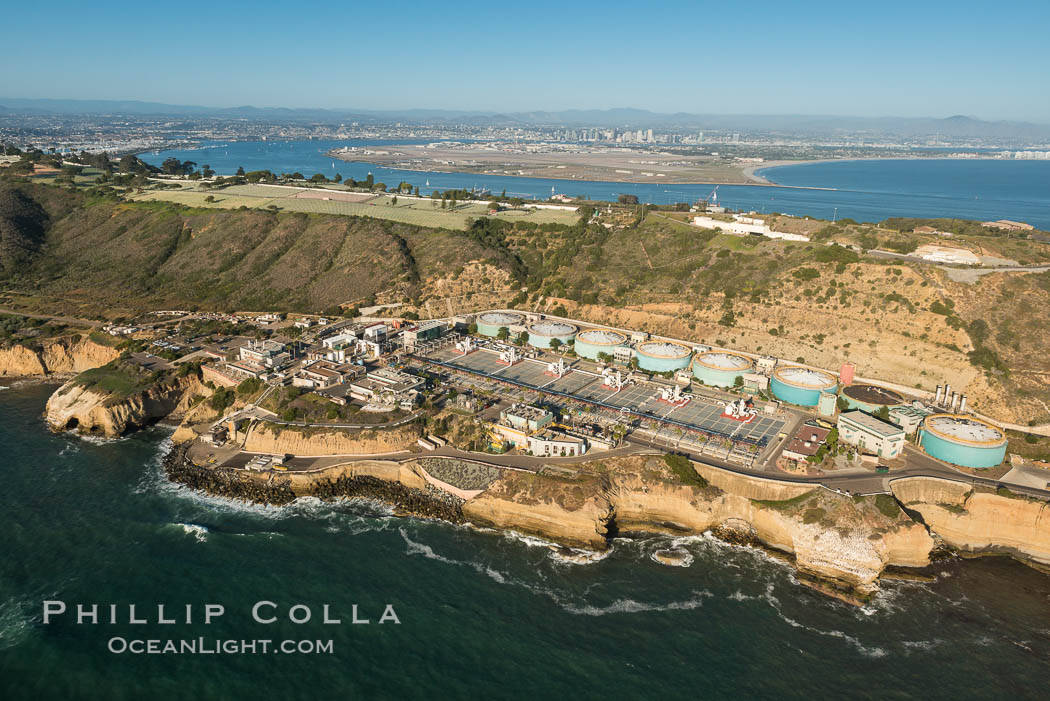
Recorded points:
(820,302)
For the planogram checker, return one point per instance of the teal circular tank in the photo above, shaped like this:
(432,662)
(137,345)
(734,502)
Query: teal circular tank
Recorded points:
(720,368)
(963,440)
(591,342)
(801,386)
(543,332)
(490,323)
(662,356)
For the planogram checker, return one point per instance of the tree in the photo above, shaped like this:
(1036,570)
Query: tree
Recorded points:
(883,413)
(472,329)
(555,344)
(393,201)
(240,171)
(206,171)
(627,199)
(503,334)
(209,199)
(338,178)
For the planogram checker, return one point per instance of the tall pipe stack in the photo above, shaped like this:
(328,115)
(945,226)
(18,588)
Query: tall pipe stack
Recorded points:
(940,395)
(962,405)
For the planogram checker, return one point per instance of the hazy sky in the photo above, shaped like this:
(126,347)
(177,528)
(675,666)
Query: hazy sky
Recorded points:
(917,58)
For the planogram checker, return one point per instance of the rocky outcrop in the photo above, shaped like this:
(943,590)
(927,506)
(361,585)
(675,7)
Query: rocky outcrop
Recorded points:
(572,511)
(979,520)
(266,437)
(62,356)
(89,409)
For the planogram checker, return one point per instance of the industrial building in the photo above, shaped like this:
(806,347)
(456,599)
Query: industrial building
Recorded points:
(870,434)
(424,332)
(871,398)
(662,356)
(517,423)
(594,341)
(962,440)
(908,417)
(490,323)
(552,443)
(801,386)
(543,332)
(721,368)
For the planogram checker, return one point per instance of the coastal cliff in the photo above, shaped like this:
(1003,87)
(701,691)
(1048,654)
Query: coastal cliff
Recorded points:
(573,511)
(61,356)
(838,539)
(276,439)
(839,544)
(979,520)
(95,409)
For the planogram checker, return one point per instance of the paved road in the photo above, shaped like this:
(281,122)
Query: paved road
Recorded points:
(50,317)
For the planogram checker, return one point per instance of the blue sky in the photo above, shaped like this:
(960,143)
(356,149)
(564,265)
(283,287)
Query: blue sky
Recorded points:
(918,58)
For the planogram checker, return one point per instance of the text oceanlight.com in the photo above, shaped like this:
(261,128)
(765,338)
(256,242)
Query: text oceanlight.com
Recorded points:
(203,646)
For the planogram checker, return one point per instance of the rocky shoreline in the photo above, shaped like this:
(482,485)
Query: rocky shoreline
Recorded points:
(276,489)
(841,546)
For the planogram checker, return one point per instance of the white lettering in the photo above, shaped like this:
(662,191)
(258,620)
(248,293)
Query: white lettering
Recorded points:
(132,619)
(255,612)
(115,643)
(160,616)
(300,607)
(53,608)
(356,619)
(82,613)
(389,615)
(328,620)
(213,611)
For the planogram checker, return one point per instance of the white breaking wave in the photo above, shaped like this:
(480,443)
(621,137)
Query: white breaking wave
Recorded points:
(426,551)
(632,606)
(198,532)
(774,603)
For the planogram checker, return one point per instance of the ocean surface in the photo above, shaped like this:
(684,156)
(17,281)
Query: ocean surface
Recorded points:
(482,614)
(870,190)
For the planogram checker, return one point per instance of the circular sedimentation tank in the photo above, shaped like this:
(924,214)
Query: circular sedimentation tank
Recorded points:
(543,332)
(594,341)
(963,440)
(720,368)
(801,386)
(871,398)
(662,356)
(490,323)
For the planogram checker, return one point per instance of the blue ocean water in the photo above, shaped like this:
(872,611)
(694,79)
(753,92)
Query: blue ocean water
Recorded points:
(482,614)
(870,190)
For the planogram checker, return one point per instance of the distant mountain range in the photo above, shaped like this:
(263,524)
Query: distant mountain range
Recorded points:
(957,126)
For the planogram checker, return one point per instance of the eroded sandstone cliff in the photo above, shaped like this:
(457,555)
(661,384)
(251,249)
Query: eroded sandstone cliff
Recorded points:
(89,409)
(979,520)
(265,437)
(60,356)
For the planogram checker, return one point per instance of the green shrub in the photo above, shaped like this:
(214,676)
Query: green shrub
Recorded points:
(683,470)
